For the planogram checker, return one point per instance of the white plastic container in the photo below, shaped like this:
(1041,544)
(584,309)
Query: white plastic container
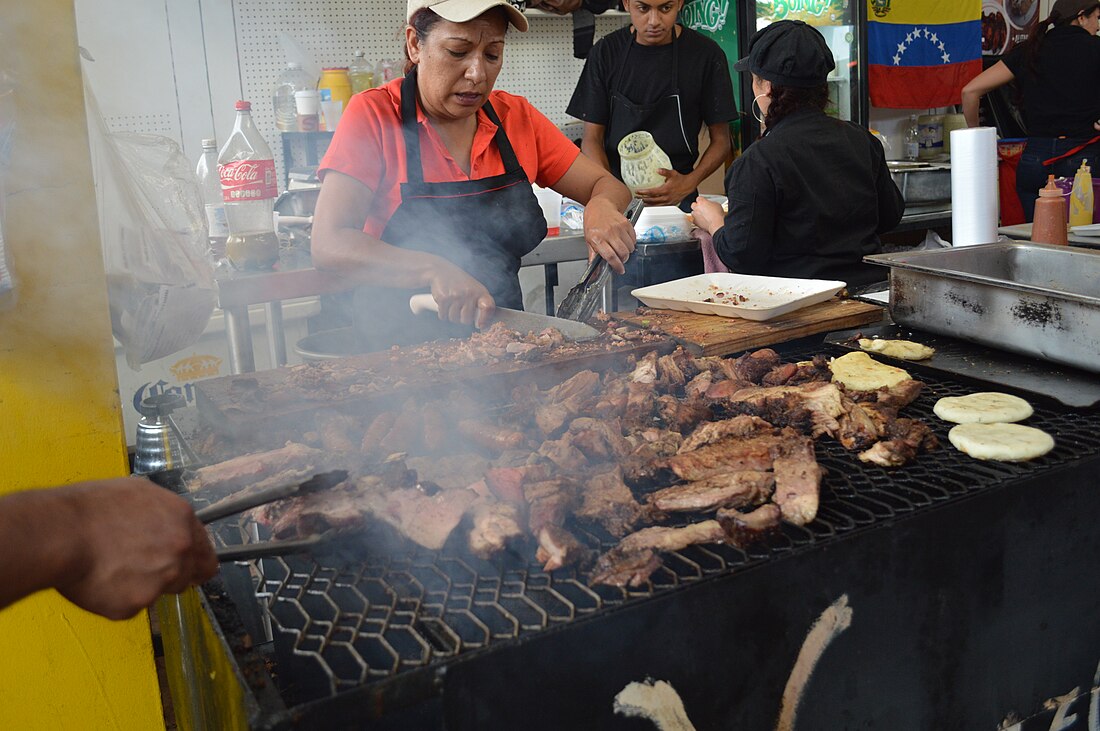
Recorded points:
(659,224)
(550,202)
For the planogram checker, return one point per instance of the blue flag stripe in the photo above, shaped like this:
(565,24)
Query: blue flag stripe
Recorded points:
(921,44)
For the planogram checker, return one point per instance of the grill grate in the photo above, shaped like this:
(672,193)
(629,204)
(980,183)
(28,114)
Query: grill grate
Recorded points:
(340,621)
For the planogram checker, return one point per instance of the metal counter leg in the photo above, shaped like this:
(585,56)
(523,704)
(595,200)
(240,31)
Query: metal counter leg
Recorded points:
(239,336)
(276,336)
(550,276)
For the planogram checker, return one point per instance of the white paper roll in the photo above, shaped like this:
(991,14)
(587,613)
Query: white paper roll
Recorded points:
(975,207)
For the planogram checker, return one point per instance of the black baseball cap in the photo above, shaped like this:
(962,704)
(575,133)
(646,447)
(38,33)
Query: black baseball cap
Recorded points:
(1070,9)
(788,53)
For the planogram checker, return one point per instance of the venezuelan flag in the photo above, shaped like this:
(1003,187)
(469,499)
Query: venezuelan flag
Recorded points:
(921,53)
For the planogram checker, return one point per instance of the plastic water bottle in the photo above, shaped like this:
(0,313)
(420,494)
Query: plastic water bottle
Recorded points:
(360,73)
(912,139)
(211,186)
(294,78)
(247,171)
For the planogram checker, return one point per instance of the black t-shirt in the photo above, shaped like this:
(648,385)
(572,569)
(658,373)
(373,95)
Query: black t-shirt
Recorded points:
(704,79)
(1063,98)
(809,199)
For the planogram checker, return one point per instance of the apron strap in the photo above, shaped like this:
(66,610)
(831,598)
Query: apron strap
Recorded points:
(411,132)
(1072,152)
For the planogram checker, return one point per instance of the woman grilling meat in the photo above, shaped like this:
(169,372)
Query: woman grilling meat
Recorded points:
(1058,74)
(427,183)
(811,196)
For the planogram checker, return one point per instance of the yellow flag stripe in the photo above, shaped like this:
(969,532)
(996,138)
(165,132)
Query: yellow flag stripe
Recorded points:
(924,12)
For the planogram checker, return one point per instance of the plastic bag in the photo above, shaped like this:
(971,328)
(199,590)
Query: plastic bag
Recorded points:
(154,232)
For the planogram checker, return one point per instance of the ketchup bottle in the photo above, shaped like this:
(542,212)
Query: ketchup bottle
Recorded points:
(1050,216)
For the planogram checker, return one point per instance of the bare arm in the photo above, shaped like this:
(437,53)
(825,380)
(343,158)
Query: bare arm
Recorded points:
(606,230)
(340,245)
(109,546)
(676,186)
(592,144)
(992,78)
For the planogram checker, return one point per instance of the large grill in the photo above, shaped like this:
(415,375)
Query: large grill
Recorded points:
(357,618)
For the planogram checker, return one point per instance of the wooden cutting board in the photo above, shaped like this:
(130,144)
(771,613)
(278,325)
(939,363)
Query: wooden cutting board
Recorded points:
(714,335)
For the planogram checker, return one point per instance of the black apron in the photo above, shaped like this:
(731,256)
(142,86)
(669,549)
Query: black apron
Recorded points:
(662,119)
(483,226)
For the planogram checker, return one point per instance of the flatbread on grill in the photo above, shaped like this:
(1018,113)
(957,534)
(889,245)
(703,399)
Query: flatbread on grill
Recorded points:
(860,372)
(902,349)
(984,407)
(1001,442)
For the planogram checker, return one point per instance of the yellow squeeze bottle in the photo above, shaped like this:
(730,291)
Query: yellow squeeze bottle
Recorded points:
(1080,198)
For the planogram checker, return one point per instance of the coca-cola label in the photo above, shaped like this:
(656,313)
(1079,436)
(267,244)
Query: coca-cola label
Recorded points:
(248,180)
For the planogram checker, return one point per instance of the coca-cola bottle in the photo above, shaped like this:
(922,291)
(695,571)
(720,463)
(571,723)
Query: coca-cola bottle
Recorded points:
(211,185)
(247,172)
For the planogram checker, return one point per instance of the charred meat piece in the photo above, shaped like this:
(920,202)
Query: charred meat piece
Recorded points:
(599,439)
(797,481)
(645,465)
(611,402)
(754,366)
(291,463)
(449,471)
(779,375)
(698,386)
(406,431)
(669,373)
(632,569)
(633,560)
(641,399)
(605,499)
(335,430)
(558,548)
(338,508)
(898,396)
(495,525)
(729,455)
(859,427)
(816,370)
(379,427)
(713,431)
(425,520)
(645,370)
(682,416)
(726,490)
(506,484)
(436,434)
(490,436)
(725,388)
(565,401)
(562,453)
(784,405)
(906,437)
(744,529)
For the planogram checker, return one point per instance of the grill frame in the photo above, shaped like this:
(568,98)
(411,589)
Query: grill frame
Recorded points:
(854,502)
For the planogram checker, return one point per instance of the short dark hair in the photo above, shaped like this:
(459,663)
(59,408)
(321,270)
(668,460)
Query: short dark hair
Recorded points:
(787,99)
(422,22)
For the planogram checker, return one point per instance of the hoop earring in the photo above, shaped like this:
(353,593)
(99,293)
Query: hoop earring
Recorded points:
(756,105)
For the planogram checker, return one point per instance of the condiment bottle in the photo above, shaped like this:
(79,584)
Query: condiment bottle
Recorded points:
(1080,199)
(1050,216)
(360,74)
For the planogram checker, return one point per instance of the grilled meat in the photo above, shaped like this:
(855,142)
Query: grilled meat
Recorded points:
(698,386)
(633,560)
(726,490)
(565,401)
(713,431)
(490,436)
(797,481)
(379,427)
(405,434)
(426,520)
(291,463)
(558,548)
(335,430)
(435,434)
(787,405)
(744,529)
(682,416)
(495,525)
(907,437)
(729,455)
(754,366)
(451,470)
(632,569)
(605,499)
(599,439)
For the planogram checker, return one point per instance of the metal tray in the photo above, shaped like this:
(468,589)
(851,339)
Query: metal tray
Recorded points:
(1034,299)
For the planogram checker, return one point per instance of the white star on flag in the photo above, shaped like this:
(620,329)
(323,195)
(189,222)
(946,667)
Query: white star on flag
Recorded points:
(934,39)
(946,57)
(897,60)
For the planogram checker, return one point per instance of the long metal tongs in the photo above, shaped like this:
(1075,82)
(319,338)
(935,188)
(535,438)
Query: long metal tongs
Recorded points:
(583,299)
(239,503)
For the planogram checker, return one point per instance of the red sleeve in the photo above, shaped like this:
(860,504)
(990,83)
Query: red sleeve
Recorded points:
(543,150)
(356,148)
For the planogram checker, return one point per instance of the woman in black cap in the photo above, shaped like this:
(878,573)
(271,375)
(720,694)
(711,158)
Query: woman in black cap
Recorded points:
(811,196)
(1057,72)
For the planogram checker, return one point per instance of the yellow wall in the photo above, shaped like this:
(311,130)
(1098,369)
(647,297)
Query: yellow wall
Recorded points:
(60,418)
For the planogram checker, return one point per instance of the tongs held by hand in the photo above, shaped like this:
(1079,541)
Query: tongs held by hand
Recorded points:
(584,298)
(239,503)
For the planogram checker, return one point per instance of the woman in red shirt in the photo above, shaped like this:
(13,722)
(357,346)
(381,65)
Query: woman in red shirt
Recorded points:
(426,185)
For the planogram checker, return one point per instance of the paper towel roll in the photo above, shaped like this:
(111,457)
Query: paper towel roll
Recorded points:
(974,194)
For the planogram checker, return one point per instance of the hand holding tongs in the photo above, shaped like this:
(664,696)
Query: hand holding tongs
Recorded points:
(239,503)
(581,302)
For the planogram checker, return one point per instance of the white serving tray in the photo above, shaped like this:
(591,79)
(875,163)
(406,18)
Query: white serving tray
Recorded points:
(738,295)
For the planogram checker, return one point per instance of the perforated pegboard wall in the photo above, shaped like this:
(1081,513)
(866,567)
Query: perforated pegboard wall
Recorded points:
(538,64)
(156,124)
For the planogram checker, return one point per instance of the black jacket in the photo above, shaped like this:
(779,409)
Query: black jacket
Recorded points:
(809,200)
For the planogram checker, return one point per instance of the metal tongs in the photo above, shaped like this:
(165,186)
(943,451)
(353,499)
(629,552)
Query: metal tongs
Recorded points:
(581,302)
(239,503)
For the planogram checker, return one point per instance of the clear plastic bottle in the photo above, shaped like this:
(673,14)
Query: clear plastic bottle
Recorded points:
(211,186)
(360,73)
(388,70)
(912,139)
(247,171)
(294,78)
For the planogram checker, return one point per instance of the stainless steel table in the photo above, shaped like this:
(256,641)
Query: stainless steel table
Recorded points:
(1022,232)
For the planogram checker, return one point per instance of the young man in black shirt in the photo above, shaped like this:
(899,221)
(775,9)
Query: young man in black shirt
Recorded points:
(658,76)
